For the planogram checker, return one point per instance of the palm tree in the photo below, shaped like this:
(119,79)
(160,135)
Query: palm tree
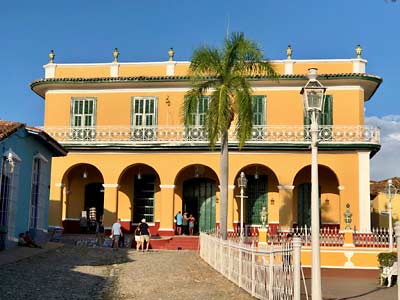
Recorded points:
(224,74)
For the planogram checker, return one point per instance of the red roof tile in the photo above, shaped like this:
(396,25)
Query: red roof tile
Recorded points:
(7,128)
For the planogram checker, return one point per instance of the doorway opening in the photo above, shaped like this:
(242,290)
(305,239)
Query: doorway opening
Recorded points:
(199,200)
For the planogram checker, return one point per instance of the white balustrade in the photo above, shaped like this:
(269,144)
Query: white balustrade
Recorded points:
(265,273)
(197,134)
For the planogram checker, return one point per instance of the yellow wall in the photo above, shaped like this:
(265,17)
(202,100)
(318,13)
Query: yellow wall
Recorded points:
(111,170)
(323,68)
(282,108)
(78,71)
(283,168)
(181,68)
(142,70)
(380,204)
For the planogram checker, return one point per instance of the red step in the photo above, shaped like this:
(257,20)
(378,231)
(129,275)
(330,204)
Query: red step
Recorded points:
(176,243)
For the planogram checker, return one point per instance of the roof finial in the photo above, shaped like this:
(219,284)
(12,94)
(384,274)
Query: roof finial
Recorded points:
(358,51)
(51,56)
(289,52)
(171,54)
(115,54)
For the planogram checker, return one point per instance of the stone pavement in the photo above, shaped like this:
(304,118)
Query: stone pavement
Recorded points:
(71,272)
(348,287)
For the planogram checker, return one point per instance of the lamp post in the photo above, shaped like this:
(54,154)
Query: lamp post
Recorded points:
(313,97)
(242,183)
(390,192)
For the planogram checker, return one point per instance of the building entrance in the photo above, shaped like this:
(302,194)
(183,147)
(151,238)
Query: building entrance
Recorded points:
(94,197)
(199,200)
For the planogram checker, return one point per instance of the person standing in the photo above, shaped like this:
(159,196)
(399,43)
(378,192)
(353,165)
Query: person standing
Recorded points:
(137,237)
(185,223)
(191,224)
(179,219)
(116,233)
(144,234)
(100,232)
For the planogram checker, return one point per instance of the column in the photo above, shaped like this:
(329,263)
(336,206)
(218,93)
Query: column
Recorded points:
(363,192)
(57,205)
(232,207)
(110,203)
(167,210)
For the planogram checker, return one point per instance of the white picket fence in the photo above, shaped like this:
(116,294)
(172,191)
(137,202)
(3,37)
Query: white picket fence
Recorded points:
(271,273)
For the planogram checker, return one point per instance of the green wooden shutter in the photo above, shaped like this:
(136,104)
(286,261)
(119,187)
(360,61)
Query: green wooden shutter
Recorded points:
(326,117)
(327,112)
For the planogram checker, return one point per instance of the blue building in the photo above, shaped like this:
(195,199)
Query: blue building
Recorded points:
(25,165)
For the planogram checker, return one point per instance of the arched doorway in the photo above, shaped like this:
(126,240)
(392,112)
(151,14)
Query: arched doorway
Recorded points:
(94,197)
(328,197)
(257,192)
(144,196)
(304,205)
(199,200)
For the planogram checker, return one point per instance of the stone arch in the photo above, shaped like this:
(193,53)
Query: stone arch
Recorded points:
(262,191)
(138,191)
(196,192)
(329,196)
(83,184)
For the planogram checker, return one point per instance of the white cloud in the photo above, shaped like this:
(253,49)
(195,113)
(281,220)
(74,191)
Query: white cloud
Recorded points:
(386,162)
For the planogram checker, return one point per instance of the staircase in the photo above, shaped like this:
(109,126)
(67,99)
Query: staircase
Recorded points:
(176,243)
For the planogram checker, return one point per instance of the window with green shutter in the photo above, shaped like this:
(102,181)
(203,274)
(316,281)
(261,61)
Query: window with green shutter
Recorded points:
(259,117)
(196,130)
(326,117)
(258,103)
(144,118)
(83,118)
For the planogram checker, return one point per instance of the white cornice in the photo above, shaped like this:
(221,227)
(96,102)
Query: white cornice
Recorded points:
(177,90)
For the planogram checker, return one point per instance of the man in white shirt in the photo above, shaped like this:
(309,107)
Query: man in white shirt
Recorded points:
(116,233)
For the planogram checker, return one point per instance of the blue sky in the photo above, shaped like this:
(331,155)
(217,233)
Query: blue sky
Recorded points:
(88,31)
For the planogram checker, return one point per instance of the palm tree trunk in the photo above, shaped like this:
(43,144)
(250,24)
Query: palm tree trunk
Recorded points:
(224,164)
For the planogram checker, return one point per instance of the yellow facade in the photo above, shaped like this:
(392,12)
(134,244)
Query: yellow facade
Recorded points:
(114,155)
(380,210)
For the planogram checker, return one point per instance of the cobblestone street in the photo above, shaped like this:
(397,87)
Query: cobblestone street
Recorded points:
(75,272)
(92,273)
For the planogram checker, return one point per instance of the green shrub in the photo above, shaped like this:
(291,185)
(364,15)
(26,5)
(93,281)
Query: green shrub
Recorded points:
(386,259)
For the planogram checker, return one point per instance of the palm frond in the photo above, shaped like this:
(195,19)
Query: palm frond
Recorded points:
(245,113)
(205,62)
(190,105)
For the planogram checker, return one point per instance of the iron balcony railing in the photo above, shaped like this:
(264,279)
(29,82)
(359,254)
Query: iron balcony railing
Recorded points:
(179,134)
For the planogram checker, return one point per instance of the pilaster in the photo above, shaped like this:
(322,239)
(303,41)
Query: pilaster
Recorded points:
(50,70)
(285,206)
(57,204)
(167,209)
(232,207)
(110,203)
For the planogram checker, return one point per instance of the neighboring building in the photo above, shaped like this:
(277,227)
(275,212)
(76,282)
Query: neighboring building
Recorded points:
(131,157)
(25,179)
(380,202)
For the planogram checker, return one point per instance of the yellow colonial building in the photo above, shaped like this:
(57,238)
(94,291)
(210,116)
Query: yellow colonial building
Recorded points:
(130,156)
(384,203)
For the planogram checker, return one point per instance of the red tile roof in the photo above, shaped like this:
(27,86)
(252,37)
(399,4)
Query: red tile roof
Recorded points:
(7,128)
